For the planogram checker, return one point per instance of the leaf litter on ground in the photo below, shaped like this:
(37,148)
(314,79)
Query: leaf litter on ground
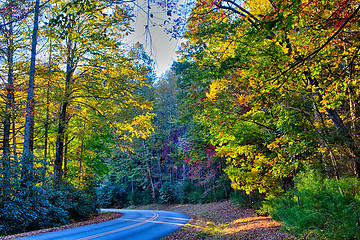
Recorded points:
(222,220)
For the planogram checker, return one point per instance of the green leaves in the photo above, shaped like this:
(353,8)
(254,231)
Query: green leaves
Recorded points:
(267,89)
(322,207)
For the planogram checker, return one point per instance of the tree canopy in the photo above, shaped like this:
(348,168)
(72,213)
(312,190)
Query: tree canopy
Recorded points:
(263,92)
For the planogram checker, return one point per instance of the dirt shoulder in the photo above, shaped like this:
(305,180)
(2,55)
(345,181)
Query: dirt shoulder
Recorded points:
(97,218)
(222,221)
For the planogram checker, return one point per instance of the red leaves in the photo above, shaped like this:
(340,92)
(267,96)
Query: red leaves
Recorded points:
(17,10)
(343,11)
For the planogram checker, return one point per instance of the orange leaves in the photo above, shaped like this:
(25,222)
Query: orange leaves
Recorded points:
(271,83)
(244,99)
(275,144)
(343,10)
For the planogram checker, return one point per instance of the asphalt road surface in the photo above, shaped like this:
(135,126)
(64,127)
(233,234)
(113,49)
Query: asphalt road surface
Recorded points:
(134,225)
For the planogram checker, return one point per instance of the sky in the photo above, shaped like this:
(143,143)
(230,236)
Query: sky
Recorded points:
(157,43)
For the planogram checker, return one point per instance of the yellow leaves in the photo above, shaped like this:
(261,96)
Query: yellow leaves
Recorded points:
(217,87)
(258,7)
(248,181)
(244,99)
(285,49)
(276,143)
(139,127)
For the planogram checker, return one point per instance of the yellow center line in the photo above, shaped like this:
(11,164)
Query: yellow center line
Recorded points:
(121,229)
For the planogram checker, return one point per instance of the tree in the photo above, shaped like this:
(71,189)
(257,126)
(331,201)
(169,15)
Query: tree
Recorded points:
(14,13)
(30,98)
(90,39)
(259,99)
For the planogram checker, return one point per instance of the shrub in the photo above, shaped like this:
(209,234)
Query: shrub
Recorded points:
(24,203)
(29,210)
(76,203)
(325,207)
(139,196)
(166,193)
(193,193)
(28,202)
(241,199)
(111,195)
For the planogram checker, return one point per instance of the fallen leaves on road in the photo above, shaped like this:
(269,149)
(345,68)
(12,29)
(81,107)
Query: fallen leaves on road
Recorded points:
(100,217)
(222,221)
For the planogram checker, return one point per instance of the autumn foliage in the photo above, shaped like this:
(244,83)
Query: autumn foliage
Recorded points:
(263,91)
(274,87)
(279,87)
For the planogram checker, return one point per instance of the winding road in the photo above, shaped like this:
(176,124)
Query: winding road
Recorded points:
(134,225)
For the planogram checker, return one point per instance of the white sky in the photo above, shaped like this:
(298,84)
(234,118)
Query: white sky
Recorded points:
(156,42)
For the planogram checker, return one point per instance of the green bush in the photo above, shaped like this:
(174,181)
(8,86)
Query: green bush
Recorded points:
(24,203)
(193,193)
(28,202)
(241,199)
(327,208)
(140,196)
(76,203)
(111,195)
(196,193)
(267,205)
(29,210)
(166,193)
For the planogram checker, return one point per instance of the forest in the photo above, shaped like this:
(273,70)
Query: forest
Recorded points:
(261,107)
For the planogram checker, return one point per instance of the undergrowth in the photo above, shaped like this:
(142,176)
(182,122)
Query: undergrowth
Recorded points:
(324,208)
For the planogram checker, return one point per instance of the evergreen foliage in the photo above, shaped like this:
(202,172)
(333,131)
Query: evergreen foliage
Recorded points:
(112,195)
(29,202)
(78,204)
(242,199)
(140,196)
(321,207)
(166,193)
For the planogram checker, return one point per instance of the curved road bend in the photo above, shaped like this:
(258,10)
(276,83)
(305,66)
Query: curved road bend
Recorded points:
(134,225)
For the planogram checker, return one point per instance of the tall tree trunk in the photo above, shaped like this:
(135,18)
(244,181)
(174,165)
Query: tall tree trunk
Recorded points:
(6,162)
(349,141)
(27,159)
(14,131)
(82,149)
(158,164)
(58,171)
(30,97)
(31,146)
(46,125)
(58,162)
(66,154)
(9,92)
(11,74)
